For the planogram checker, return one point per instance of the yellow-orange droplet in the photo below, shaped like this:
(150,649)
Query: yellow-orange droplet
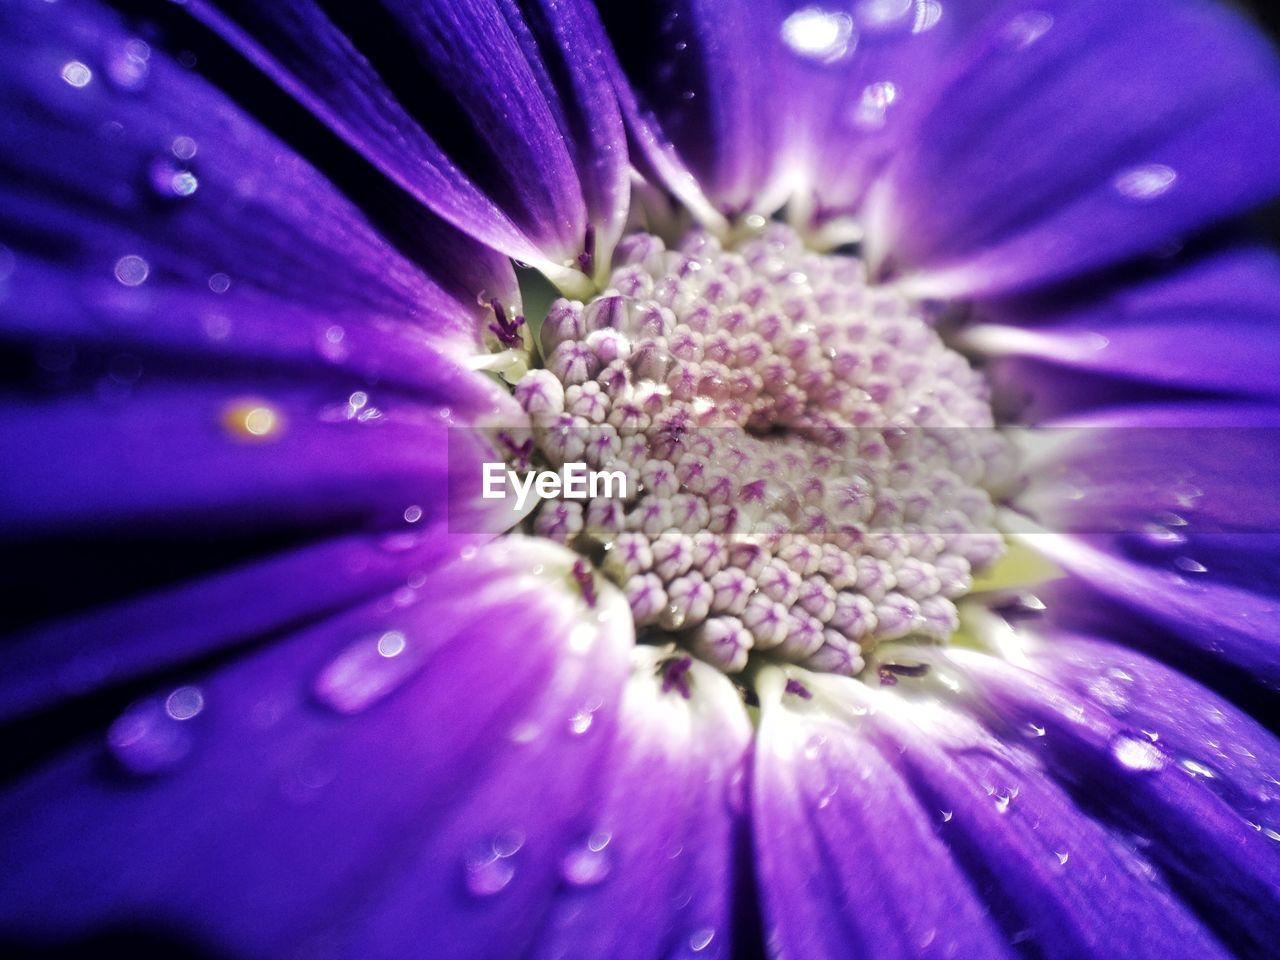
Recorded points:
(252,420)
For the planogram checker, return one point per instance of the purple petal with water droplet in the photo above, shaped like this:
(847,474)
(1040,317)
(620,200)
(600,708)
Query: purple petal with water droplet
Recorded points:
(80,653)
(377,816)
(1203,733)
(1058,883)
(1003,185)
(656,863)
(1204,324)
(1223,867)
(264,259)
(849,862)
(709,79)
(458,106)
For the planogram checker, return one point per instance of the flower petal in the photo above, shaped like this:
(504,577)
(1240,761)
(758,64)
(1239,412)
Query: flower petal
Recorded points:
(440,754)
(1167,513)
(1209,325)
(1211,739)
(654,872)
(850,864)
(1034,165)
(1220,864)
(707,81)
(229,453)
(87,646)
(1058,882)
(506,128)
(142,206)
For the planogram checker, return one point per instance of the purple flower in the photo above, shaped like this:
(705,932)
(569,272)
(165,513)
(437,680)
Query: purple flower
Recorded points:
(855,663)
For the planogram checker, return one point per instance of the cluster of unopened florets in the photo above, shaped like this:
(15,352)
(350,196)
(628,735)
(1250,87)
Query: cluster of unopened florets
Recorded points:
(807,462)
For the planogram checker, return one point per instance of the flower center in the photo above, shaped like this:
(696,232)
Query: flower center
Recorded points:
(807,463)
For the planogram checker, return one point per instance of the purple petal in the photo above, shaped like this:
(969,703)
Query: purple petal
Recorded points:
(1213,741)
(461,106)
(225,454)
(1034,165)
(1208,326)
(150,210)
(1221,864)
(653,873)
(1059,883)
(1173,521)
(849,861)
(386,782)
(140,637)
(863,106)
(710,96)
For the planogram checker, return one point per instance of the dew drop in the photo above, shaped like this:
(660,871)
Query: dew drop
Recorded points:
(367,671)
(489,867)
(589,862)
(184,148)
(168,179)
(412,514)
(247,420)
(184,703)
(1136,753)
(132,270)
(147,739)
(128,67)
(1026,28)
(701,938)
(219,283)
(928,13)
(873,106)
(582,720)
(76,73)
(1146,182)
(882,13)
(1197,769)
(822,35)
(331,344)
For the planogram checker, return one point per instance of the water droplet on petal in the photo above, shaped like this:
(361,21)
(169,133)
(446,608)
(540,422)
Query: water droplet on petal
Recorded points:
(1137,753)
(368,670)
(1026,28)
(873,106)
(331,343)
(184,703)
(184,148)
(822,35)
(1197,769)
(412,514)
(76,73)
(146,739)
(128,67)
(589,862)
(875,14)
(250,420)
(928,13)
(489,867)
(1146,182)
(169,179)
(219,283)
(701,938)
(132,270)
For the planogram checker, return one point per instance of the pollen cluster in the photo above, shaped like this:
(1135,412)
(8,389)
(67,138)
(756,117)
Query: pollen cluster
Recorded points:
(808,464)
